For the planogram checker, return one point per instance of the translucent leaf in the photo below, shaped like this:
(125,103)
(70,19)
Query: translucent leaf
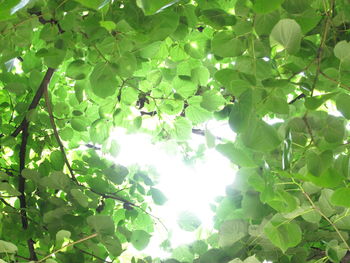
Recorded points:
(188,221)
(343,105)
(232,231)
(113,245)
(158,197)
(62,235)
(342,51)
(140,239)
(183,128)
(282,233)
(263,6)
(287,32)
(212,100)
(77,69)
(103,81)
(225,44)
(102,224)
(236,155)
(261,136)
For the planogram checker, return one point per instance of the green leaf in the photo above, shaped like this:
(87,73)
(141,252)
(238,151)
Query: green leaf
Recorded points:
(77,69)
(197,114)
(79,124)
(158,197)
(102,224)
(236,155)
(140,239)
(62,236)
(277,105)
(9,189)
(241,113)
(217,18)
(150,7)
(341,197)
(263,7)
(212,100)
(96,4)
(103,81)
(183,128)
(312,103)
(261,136)
(113,245)
(99,131)
(182,254)
(109,25)
(225,44)
(343,105)
(200,75)
(188,221)
(335,252)
(342,51)
(57,160)
(80,197)
(282,233)
(7,247)
(287,32)
(231,231)
(54,57)
(116,173)
(334,130)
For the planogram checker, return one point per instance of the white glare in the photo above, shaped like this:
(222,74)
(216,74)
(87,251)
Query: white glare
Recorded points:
(188,188)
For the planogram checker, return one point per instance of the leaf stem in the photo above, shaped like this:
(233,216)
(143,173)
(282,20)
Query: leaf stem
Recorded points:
(322,214)
(68,245)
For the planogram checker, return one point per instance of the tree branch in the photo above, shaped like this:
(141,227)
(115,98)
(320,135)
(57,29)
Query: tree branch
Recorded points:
(300,96)
(68,245)
(24,126)
(39,93)
(335,81)
(321,47)
(53,124)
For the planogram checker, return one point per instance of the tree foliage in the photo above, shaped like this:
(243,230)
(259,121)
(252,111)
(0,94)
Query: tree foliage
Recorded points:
(276,71)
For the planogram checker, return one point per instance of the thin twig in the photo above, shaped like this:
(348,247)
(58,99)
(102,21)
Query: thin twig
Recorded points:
(309,128)
(53,124)
(68,245)
(91,254)
(321,47)
(334,80)
(322,214)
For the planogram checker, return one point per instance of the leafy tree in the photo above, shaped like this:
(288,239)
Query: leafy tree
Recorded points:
(276,70)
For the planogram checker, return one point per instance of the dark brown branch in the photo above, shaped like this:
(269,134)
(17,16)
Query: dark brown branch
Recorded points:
(22,157)
(91,146)
(43,21)
(53,124)
(36,99)
(151,113)
(300,96)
